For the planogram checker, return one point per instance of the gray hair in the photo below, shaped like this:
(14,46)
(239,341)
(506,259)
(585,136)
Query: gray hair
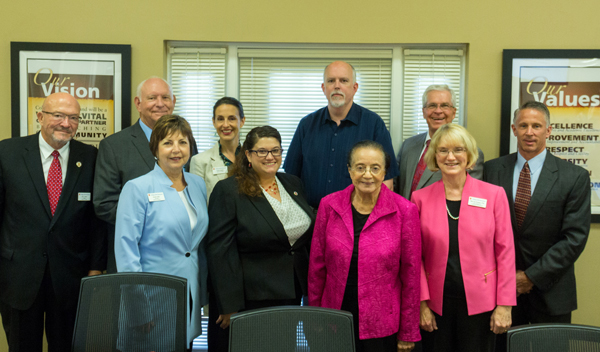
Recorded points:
(439,87)
(349,64)
(534,105)
(138,93)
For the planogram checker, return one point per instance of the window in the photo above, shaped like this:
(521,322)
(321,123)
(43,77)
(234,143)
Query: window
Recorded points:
(279,84)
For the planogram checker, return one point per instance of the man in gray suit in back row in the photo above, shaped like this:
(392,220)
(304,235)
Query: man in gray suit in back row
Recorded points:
(126,155)
(439,108)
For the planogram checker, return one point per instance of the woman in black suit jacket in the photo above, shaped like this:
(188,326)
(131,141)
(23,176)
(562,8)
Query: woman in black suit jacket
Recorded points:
(259,231)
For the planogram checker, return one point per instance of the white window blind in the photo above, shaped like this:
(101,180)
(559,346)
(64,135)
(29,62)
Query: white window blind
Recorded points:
(197,77)
(423,68)
(278,87)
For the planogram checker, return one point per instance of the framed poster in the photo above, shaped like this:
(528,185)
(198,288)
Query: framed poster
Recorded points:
(97,75)
(568,82)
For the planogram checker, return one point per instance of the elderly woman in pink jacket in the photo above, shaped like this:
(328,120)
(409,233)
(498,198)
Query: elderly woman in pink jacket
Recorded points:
(468,280)
(365,256)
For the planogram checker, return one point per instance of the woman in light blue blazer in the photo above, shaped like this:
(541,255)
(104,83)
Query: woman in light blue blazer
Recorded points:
(212,165)
(161,221)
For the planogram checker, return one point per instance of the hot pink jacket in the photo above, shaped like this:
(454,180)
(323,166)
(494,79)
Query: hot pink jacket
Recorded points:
(485,245)
(388,263)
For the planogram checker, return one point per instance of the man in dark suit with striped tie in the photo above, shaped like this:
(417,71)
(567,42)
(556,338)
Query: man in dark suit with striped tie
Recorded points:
(551,214)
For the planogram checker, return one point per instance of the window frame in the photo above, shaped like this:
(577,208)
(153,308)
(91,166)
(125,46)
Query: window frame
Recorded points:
(232,70)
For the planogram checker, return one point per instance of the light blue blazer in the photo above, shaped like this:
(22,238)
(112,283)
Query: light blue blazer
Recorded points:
(157,236)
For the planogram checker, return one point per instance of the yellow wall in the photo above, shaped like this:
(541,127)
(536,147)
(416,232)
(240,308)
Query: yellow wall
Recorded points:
(487,26)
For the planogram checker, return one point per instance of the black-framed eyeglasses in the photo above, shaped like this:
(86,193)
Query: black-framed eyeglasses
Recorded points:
(262,153)
(60,116)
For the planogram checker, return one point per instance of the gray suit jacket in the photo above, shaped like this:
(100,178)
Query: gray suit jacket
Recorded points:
(554,231)
(408,158)
(122,156)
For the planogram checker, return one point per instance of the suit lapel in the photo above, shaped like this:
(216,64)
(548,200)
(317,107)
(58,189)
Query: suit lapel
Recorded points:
(505,180)
(427,174)
(73,171)
(140,142)
(548,177)
(33,161)
(414,154)
(264,208)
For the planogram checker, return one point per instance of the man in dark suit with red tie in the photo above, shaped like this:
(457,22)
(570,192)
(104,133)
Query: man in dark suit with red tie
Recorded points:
(49,235)
(551,214)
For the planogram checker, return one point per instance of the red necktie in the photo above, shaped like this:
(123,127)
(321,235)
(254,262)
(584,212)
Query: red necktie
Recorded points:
(419,170)
(54,184)
(523,194)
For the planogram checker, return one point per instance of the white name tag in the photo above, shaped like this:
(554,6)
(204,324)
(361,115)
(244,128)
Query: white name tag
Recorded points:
(220,170)
(156,197)
(84,196)
(477,202)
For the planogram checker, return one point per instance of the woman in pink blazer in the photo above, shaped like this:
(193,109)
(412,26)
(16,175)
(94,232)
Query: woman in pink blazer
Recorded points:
(468,280)
(364,256)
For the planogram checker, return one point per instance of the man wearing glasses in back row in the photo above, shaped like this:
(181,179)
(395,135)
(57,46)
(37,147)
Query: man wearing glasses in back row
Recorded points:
(49,235)
(439,108)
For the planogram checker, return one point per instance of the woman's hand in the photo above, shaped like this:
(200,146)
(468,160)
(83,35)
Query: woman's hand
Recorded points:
(427,321)
(224,320)
(404,346)
(501,319)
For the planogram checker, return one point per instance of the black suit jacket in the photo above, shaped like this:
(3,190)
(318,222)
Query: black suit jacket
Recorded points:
(71,242)
(249,255)
(554,231)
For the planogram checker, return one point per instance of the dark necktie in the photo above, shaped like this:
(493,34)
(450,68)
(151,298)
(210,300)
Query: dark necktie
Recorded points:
(54,184)
(419,170)
(523,194)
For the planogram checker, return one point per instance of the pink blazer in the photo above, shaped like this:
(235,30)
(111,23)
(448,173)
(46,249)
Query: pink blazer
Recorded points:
(388,263)
(485,245)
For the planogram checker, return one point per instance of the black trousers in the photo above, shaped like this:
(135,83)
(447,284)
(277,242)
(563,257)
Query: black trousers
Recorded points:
(217,338)
(25,328)
(459,331)
(524,314)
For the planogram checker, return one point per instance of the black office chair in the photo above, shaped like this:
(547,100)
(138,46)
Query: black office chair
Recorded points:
(291,329)
(131,312)
(553,338)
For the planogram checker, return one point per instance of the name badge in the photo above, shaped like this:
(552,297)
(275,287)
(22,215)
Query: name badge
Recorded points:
(84,196)
(220,170)
(156,197)
(477,202)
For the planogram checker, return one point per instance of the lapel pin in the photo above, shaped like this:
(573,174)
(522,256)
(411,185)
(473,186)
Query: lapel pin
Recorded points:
(295,193)
(78,164)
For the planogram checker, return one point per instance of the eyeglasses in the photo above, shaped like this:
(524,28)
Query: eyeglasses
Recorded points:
(361,169)
(59,116)
(455,151)
(262,153)
(444,106)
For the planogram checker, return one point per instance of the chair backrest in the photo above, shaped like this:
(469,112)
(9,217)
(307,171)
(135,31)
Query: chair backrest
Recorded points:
(131,312)
(291,329)
(553,337)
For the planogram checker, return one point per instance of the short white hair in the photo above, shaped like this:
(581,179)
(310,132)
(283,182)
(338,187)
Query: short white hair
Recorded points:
(438,88)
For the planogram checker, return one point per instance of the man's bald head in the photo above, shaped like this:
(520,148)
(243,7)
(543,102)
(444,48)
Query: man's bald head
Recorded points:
(59,119)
